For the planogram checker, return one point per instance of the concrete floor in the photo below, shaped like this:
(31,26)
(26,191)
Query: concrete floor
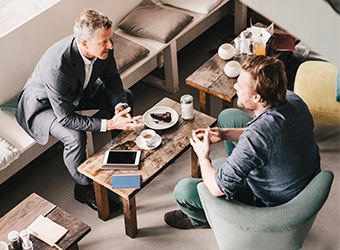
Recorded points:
(48,177)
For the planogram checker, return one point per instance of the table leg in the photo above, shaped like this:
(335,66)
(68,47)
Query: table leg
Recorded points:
(226,104)
(73,247)
(204,102)
(195,168)
(130,218)
(102,201)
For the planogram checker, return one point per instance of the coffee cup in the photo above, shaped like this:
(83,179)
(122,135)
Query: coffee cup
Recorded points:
(226,51)
(148,137)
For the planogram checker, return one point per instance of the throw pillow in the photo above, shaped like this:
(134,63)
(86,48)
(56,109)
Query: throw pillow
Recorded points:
(8,153)
(10,107)
(199,6)
(127,52)
(150,20)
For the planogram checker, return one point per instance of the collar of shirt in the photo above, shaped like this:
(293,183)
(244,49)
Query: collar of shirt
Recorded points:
(88,67)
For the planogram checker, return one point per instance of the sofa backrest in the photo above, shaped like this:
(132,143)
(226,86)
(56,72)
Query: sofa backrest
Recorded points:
(21,48)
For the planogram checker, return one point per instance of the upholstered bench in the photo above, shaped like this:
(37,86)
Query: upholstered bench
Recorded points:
(17,148)
(164,27)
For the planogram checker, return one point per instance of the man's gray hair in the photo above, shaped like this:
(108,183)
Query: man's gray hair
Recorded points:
(88,22)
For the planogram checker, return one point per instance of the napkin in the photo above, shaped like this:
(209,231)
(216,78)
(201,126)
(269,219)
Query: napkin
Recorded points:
(47,230)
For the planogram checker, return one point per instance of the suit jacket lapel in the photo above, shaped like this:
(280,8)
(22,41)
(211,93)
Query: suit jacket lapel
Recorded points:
(78,62)
(79,66)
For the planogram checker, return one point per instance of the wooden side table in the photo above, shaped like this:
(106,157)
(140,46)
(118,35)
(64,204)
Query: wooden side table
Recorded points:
(210,79)
(28,210)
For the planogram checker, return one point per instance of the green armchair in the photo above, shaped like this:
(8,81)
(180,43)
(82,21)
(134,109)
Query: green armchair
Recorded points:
(239,226)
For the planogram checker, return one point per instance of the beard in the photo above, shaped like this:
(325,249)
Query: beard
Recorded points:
(239,104)
(246,105)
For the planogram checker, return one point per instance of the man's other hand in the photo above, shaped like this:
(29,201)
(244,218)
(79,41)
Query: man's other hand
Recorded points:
(215,134)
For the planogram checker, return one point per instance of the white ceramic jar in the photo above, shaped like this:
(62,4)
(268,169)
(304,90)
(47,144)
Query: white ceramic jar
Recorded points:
(187,107)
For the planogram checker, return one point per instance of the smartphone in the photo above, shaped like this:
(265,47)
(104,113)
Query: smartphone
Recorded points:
(121,159)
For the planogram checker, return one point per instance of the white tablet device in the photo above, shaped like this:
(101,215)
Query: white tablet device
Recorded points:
(121,159)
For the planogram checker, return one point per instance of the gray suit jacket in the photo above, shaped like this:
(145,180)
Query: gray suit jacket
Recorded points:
(55,87)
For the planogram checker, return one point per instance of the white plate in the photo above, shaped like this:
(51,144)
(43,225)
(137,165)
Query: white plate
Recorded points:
(156,124)
(141,144)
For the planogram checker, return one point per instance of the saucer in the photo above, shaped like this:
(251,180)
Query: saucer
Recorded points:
(140,143)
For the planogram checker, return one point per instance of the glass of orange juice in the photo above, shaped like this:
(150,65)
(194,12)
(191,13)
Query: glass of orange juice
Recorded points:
(260,47)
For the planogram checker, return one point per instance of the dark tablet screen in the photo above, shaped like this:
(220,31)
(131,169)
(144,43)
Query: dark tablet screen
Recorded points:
(122,157)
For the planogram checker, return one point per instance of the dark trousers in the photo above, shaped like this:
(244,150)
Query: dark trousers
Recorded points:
(75,141)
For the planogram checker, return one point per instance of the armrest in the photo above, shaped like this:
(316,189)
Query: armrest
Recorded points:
(289,215)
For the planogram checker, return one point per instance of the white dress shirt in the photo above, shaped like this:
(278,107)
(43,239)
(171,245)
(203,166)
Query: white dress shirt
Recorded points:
(88,71)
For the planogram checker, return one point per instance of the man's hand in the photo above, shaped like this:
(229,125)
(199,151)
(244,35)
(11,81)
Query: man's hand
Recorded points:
(120,107)
(215,134)
(201,146)
(123,121)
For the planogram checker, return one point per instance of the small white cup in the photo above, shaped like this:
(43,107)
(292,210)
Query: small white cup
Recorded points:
(226,51)
(148,137)
(3,245)
(232,69)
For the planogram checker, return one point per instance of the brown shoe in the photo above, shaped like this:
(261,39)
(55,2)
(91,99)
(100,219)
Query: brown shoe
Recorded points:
(178,219)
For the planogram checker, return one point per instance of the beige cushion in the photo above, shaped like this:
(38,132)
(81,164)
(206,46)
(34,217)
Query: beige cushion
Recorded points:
(199,6)
(127,52)
(315,83)
(152,21)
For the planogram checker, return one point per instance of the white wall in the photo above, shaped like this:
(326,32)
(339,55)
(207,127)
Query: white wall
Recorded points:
(312,21)
(21,49)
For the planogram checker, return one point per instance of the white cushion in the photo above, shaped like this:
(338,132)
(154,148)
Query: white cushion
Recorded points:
(8,153)
(199,6)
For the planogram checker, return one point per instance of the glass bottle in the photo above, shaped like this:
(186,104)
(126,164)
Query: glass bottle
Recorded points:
(237,45)
(260,46)
(25,239)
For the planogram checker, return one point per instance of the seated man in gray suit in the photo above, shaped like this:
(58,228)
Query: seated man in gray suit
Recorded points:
(78,72)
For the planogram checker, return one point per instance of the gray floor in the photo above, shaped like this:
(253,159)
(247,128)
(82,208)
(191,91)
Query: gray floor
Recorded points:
(48,177)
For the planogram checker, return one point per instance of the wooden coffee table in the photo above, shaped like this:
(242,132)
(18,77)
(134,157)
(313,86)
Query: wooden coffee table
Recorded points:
(28,210)
(175,141)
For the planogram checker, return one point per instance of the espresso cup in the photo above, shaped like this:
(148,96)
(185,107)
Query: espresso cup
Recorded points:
(148,137)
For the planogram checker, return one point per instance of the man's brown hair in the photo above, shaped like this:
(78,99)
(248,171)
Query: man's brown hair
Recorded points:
(269,77)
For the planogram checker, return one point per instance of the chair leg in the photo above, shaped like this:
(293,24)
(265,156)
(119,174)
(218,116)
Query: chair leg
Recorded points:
(89,143)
